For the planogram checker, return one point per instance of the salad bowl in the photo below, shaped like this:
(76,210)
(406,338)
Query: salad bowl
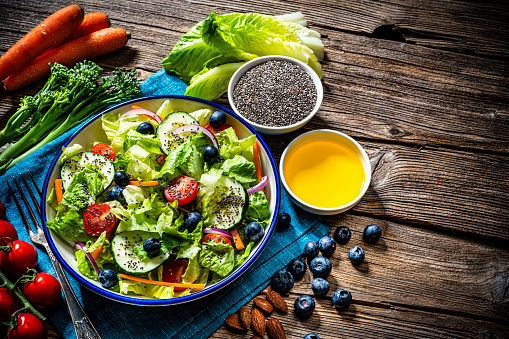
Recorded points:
(91,131)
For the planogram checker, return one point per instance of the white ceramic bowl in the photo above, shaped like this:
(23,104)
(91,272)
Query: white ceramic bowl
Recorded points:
(343,139)
(92,131)
(284,129)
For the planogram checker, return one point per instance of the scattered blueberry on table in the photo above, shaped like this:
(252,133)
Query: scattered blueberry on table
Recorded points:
(342,235)
(121,178)
(116,193)
(327,246)
(254,231)
(304,306)
(311,249)
(356,255)
(297,267)
(283,221)
(145,128)
(217,119)
(152,246)
(372,234)
(108,278)
(311,336)
(282,281)
(210,153)
(320,286)
(191,220)
(320,266)
(341,299)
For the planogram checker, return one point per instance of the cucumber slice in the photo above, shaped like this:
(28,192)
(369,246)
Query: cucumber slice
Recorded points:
(77,163)
(123,246)
(230,209)
(169,140)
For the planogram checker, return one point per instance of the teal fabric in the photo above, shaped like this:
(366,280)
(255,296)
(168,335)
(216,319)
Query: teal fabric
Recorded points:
(196,319)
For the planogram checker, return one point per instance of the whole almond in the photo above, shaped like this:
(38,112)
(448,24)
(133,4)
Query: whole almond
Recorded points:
(233,321)
(258,321)
(245,317)
(275,329)
(256,337)
(277,301)
(263,305)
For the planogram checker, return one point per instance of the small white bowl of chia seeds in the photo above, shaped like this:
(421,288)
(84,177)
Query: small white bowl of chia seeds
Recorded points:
(275,94)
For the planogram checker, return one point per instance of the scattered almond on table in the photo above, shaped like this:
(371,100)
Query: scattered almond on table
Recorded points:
(245,317)
(275,329)
(277,301)
(258,321)
(263,305)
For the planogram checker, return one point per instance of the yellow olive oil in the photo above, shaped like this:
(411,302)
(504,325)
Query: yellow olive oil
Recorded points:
(324,173)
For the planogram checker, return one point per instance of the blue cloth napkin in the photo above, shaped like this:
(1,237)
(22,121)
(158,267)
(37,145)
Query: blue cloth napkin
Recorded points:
(197,319)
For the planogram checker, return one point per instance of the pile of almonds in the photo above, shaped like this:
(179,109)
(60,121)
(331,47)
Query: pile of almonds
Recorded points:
(244,320)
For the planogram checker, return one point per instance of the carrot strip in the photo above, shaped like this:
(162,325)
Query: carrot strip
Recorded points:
(236,239)
(84,48)
(134,183)
(59,190)
(48,34)
(135,107)
(143,183)
(256,159)
(97,252)
(162,283)
(161,159)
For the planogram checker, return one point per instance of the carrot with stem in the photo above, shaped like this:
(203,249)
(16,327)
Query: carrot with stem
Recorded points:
(92,22)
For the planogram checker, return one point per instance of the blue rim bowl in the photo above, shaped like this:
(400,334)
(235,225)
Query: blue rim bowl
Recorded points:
(58,244)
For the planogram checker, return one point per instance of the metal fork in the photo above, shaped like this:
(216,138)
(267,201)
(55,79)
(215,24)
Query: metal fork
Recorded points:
(82,325)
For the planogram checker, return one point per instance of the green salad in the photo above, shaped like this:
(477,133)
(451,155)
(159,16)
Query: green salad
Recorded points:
(174,201)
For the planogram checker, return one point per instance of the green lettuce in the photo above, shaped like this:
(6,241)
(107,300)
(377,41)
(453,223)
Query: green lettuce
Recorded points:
(116,130)
(148,142)
(83,263)
(202,116)
(146,289)
(168,243)
(258,206)
(68,152)
(212,83)
(218,257)
(242,255)
(83,188)
(142,164)
(191,252)
(230,145)
(69,225)
(240,169)
(186,159)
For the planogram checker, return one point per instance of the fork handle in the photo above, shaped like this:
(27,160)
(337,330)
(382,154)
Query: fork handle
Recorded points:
(82,325)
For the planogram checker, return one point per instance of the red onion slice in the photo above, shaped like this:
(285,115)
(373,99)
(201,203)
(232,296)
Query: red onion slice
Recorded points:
(193,128)
(145,112)
(83,248)
(212,230)
(260,185)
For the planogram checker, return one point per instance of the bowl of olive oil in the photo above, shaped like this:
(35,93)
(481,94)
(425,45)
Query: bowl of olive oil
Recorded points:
(325,171)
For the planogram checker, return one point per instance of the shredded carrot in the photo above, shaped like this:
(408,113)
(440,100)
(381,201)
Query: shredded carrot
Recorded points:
(135,107)
(236,239)
(97,252)
(143,183)
(59,190)
(256,159)
(161,159)
(162,283)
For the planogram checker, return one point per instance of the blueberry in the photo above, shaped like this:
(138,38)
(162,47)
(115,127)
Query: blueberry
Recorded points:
(152,246)
(342,235)
(191,220)
(320,266)
(283,221)
(320,286)
(327,245)
(311,249)
(304,306)
(145,128)
(282,281)
(297,267)
(356,255)
(311,336)
(254,231)
(116,193)
(372,234)
(217,119)
(342,299)
(210,154)
(121,178)
(108,278)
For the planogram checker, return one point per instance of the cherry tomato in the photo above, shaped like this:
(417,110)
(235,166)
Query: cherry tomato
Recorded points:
(21,257)
(99,218)
(215,131)
(7,231)
(217,237)
(183,189)
(173,271)
(28,327)
(9,303)
(3,214)
(104,149)
(44,292)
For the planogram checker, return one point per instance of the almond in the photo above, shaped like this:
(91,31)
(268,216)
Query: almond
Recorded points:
(258,321)
(277,301)
(233,321)
(256,337)
(245,317)
(263,305)
(275,329)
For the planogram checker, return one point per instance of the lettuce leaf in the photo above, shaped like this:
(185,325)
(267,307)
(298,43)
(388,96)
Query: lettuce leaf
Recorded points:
(202,116)
(240,169)
(69,225)
(230,145)
(218,257)
(242,255)
(142,164)
(82,189)
(83,263)
(148,142)
(190,251)
(146,289)
(116,130)
(186,159)
(258,206)
(70,151)
(212,83)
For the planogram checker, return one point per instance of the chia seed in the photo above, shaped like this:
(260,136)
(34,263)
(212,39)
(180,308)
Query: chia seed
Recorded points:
(275,93)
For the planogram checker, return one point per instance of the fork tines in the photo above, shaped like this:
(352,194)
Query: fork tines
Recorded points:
(27,204)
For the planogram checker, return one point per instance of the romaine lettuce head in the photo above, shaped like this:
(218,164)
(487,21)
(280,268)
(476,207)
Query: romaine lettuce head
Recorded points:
(210,84)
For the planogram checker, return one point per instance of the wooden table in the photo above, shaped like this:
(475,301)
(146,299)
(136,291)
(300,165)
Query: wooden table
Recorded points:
(424,87)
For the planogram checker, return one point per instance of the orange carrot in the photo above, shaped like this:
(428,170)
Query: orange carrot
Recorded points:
(91,22)
(96,43)
(143,183)
(256,159)
(161,159)
(48,34)
(59,190)
(162,283)
(236,239)
(97,252)
(135,107)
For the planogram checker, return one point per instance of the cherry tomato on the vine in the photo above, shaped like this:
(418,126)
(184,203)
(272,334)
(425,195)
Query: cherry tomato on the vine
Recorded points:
(183,189)
(7,231)
(3,213)
(21,257)
(173,271)
(28,327)
(104,149)
(44,292)
(9,303)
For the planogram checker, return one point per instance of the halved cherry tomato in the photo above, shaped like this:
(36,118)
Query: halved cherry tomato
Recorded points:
(99,218)
(44,292)
(173,271)
(217,237)
(183,189)
(29,326)
(215,131)
(104,149)
(9,303)
(7,231)
(21,257)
